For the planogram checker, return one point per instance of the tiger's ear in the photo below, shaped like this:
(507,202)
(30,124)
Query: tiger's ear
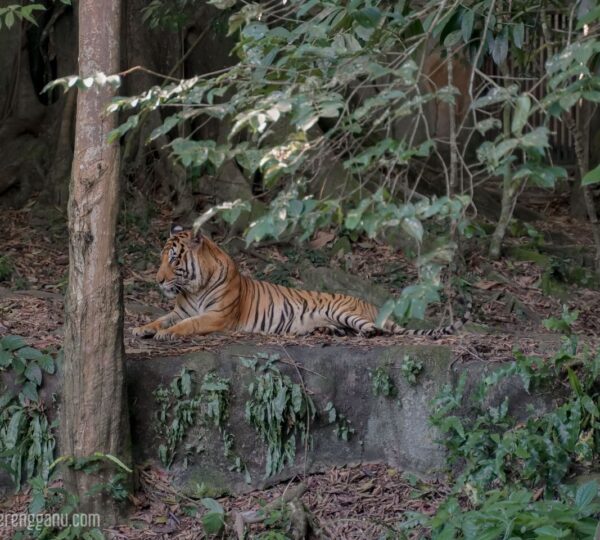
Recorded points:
(176,229)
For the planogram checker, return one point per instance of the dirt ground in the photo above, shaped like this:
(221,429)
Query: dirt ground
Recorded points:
(511,297)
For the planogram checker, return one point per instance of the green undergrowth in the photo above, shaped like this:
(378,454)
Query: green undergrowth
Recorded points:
(513,477)
(279,409)
(184,404)
(26,434)
(27,448)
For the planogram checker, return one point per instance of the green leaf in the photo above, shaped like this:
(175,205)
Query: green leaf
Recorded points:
(518,32)
(537,138)
(29,390)
(499,49)
(590,16)
(12,343)
(169,123)
(384,312)
(591,95)
(585,495)
(551,532)
(212,505)
(589,405)
(520,115)
(14,427)
(591,177)
(116,461)
(33,373)
(5,398)
(452,38)
(413,227)
(29,353)
(9,19)
(37,504)
(367,17)
(46,362)
(118,132)
(5,358)
(454,423)
(213,522)
(96,534)
(222,4)
(574,382)
(466,24)
(19,365)
(354,216)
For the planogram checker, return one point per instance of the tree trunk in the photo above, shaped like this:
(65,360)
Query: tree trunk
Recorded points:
(94,409)
(510,192)
(581,139)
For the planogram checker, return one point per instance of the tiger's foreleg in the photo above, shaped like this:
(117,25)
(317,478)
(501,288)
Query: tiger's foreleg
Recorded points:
(205,323)
(150,329)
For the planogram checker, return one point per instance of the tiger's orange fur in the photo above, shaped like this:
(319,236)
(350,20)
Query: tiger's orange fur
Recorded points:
(212,296)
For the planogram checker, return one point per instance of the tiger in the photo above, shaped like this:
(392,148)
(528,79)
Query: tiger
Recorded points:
(211,295)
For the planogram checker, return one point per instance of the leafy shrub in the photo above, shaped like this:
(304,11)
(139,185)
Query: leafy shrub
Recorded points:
(26,435)
(502,459)
(280,411)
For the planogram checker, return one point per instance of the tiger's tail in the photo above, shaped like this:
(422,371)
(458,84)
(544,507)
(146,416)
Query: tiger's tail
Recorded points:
(434,333)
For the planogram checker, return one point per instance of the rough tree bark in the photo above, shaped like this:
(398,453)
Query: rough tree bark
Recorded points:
(94,411)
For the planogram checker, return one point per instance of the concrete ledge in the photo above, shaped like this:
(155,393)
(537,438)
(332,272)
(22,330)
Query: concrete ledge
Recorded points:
(395,431)
(391,430)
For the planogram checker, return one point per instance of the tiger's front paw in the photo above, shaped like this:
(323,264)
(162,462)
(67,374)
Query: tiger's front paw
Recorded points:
(165,335)
(143,331)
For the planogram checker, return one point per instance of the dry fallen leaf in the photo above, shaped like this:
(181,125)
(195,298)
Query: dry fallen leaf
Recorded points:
(322,238)
(486,285)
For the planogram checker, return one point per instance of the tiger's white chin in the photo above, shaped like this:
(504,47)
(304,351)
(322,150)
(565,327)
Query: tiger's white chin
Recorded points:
(169,293)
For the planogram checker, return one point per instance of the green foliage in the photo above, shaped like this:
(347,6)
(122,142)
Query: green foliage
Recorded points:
(343,429)
(178,409)
(26,436)
(523,153)
(592,177)
(116,486)
(277,521)
(315,85)
(411,369)
(6,268)
(171,14)
(182,407)
(27,446)
(515,514)
(55,502)
(382,384)
(215,392)
(213,521)
(502,460)
(541,451)
(279,410)
(10,14)
(295,72)
(85,83)
(562,325)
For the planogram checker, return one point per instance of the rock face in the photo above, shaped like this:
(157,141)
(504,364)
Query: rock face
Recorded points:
(393,430)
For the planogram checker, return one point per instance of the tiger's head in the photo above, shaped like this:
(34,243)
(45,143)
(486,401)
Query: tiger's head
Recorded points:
(188,261)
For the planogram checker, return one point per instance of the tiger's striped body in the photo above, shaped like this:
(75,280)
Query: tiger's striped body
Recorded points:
(211,296)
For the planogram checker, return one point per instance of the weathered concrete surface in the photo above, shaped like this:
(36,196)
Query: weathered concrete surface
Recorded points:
(395,431)
(392,430)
